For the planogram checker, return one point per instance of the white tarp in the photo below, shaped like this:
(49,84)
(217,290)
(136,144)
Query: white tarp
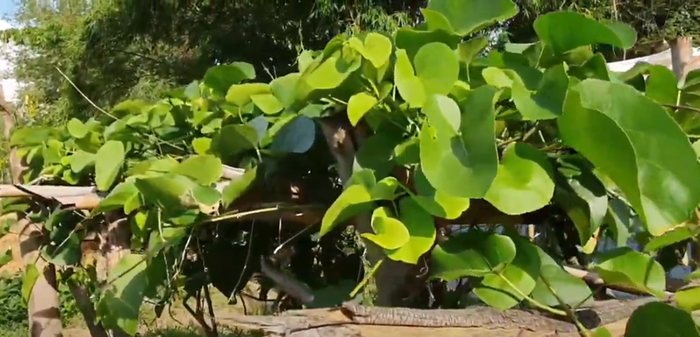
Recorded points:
(663,58)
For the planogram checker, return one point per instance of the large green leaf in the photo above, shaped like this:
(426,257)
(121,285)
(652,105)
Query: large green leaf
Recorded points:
(661,319)
(505,288)
(408,84)
(205,170)
(437,68)
(474,253)
(361,189)
(233,139)
(555,280)
(548,99)
(241,94)
(358,105)
(462,165)
(524,182)
(638,145)
(295,136)
(564,31)
(108,163)
(376,48)
(629,268)
(582,196)
(120,305)
(389,232)
(421,231)
(437,202)
(220,78)
(165,191)
(463,17)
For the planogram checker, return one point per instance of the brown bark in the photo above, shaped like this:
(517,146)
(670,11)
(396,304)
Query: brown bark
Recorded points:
(43,306)
(390,277)
(115,243)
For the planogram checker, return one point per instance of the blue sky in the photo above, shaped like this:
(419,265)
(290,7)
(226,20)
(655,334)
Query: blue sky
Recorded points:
(7,8)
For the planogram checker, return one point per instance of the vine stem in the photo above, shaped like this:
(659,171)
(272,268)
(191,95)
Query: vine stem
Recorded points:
(532,300)
(366,279)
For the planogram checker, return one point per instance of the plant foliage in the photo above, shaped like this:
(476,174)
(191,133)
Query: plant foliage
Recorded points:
(537,127)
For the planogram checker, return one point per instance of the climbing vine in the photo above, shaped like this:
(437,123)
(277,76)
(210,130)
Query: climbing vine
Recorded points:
(405,136)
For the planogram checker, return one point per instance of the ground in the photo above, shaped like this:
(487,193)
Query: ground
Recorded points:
(177,323)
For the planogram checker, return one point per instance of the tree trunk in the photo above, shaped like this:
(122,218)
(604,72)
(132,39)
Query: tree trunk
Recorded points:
(390,278)
(43,306)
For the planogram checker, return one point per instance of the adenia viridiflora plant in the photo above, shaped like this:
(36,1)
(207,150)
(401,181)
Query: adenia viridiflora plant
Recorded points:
(425,132)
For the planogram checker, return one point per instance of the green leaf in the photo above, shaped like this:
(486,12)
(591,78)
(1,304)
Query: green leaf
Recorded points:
(108,163)
(165,191)
(437,67)
(661,319)
(221,78)
(619,220)
(548,100)
(462,165)
(601,332)
(389,233)
(673,236)
(358,105)
(240,94)
(564,31)
(120,305)
(694,275)
(408,84)
(437,202)
(236,188)
(582,196)
(329,75)
(505,288)
(474,253)
(376,48)
(31,274)
(295,136)
(233,139)
(354,200)
(268,103)
(360,190)
(468,50)
(376,153)
(626,267)
(411,40)
(661,85)
(643,153)
(201,145)
(76,128)
(80,160)
(569,288)
(689,299)
(205,170)
(524,181)
(284,88)
(451,16)
(421,231)
(6,257)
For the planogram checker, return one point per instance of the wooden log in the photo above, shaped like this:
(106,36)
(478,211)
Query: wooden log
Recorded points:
(357,321)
